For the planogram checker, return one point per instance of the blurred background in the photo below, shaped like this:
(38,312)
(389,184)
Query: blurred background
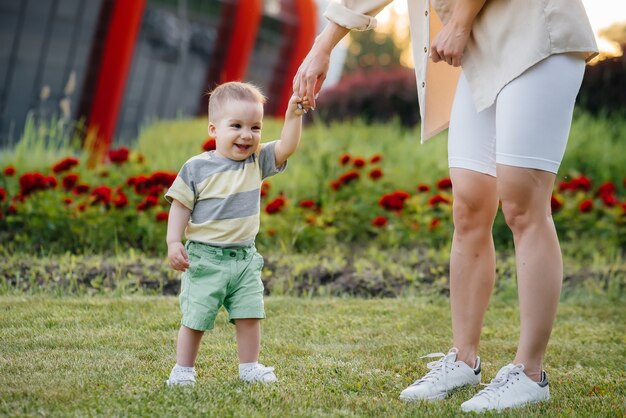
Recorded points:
(118,65)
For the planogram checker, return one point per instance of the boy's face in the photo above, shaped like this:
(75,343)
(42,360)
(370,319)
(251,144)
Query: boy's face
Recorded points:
(237,129)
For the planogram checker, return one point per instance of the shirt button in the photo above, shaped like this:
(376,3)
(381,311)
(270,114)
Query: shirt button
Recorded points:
(425,49)
(423,84)
(426,13)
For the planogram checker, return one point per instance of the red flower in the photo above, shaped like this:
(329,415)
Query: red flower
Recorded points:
(586,206)
(162,178)
(140,158)
(266,185)
(607,188)
(422,188)
(104,174)
(209,144)
(69,181)
(444,183)
(68,200)
(65,164)
(555,204)
(80,189)
(51,182)
(394,201)
(376,173)
(379,221)
(31,182)
(348,177)
(609,200)
(10,170)
(436,199)
(12,209)
(307,203)
(275,205)
(147,203)
(120,200)
(82,207)
(3,194)
(564,185)
(376,158)
(118,156)
(358,162)
(434,224)
(161,216)
(344,159)
(335,185)
(581,183)
(101,194)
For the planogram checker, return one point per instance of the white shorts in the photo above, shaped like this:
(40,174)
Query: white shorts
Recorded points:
(527,126)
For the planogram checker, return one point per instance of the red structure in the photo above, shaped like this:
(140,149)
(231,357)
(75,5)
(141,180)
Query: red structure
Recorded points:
(237,34)
(305,30)
(115,63)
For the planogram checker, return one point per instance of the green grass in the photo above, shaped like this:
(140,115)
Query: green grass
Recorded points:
(334,357)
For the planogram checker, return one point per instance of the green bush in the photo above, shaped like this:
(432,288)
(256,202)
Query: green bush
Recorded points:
(350,184)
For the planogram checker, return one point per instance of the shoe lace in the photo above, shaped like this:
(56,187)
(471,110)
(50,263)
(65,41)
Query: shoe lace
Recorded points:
(492,389)
(437,368)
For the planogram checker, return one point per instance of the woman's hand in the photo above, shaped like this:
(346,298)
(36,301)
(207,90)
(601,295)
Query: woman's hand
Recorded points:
(450,43)
(311,74)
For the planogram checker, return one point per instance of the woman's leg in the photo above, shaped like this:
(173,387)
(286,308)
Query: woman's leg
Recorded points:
(533,118)
(472,257)
(471,155)
(525,195)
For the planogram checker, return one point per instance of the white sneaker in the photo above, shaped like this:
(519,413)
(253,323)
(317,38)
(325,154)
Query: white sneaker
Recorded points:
(258,373)
(509,389)
(445,375)
(182,376)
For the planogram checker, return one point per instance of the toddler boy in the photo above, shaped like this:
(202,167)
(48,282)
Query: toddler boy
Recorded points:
(215,200)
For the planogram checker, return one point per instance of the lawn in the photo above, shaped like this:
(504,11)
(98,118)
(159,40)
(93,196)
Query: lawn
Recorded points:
(110,356)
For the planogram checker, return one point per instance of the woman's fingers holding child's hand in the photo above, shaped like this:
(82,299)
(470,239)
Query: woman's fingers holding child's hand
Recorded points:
(302,105)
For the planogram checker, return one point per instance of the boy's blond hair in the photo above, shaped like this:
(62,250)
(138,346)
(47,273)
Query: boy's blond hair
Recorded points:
(233,90)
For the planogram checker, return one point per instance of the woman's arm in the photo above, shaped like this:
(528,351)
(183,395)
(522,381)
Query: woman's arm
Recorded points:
(342,16)
(451,41)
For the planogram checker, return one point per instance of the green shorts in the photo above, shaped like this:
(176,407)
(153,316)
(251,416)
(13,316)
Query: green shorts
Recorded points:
(216,277)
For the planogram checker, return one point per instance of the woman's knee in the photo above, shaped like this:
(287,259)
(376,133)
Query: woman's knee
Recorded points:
(472,215)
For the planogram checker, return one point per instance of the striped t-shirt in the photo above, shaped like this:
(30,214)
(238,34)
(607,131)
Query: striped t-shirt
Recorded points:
(224,195)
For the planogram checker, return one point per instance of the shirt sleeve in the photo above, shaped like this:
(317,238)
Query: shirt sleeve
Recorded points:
(355,14)
(183,189)
(267,160)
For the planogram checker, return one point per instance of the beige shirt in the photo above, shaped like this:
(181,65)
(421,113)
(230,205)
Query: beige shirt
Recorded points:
(508,37)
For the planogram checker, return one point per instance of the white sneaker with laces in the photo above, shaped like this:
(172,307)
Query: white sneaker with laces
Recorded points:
(445,375)
(509,389)
(257,373)
(182,376)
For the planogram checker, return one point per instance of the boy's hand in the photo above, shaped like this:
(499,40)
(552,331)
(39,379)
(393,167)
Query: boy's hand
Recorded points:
(177,256)
(298,106)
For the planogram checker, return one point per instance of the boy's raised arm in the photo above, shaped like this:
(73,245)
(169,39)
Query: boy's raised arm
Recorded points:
(292,130)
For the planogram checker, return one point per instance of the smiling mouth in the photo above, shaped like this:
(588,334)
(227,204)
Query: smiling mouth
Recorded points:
(243,147)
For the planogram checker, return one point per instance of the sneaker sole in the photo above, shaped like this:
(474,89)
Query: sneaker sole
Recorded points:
(507,407)
(168,383)
(436,397)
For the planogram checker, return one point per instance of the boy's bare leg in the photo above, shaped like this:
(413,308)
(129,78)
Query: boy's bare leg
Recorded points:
(248,339)
(187,346)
